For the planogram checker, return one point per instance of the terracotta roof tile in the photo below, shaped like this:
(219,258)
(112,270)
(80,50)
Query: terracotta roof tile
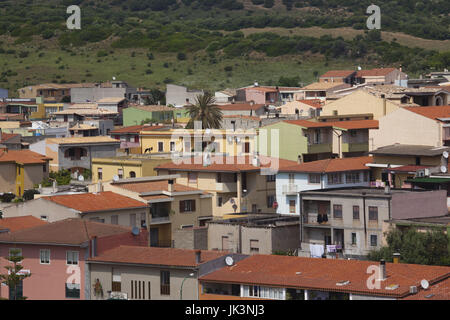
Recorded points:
(157,256)
(225,164)
(431,112)
(331,165)
(315,103)
(68,231)
(375,72)
(136,129)
(439,291)
(324,274)
(22,157)
(356,124)
(152,186)
(6,136)
(91,202)
(20,223)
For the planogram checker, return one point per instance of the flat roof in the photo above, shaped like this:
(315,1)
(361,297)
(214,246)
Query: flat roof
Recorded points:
(410,150)
(358,191)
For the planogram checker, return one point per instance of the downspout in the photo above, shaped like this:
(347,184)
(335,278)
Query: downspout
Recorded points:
(364,213)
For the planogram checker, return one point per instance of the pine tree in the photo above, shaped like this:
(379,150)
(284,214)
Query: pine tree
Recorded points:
(14,277)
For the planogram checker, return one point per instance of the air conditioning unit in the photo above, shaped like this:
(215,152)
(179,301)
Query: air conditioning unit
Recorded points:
(412,289)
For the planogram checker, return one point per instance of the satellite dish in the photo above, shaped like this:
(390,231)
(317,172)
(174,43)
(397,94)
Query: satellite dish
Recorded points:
(80,178)
(443,169)
(114,78)
(359,68)
(135,231)
(445,154)
(116,178)
(424,283)
(229,261)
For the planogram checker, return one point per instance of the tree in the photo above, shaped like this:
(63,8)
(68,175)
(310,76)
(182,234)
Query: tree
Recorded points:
(206,111)
(430,248)
(14,276)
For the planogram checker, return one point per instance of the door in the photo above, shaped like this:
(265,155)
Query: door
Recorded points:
(154,237)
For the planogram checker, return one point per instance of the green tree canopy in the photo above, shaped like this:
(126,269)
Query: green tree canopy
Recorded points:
(206,111)
(13,277)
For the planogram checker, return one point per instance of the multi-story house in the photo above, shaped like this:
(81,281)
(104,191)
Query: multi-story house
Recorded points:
(134,115)
(349,221)
(107,207)
(138,273)
(21,170)
(130,141)
(271,277)
(238,184)
(339,76)
(320,174)
(55,254)
(173,207)
(310,141)
(180,96)
(75,154)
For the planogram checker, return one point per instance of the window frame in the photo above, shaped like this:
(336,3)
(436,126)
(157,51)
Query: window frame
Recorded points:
(340,217)
(317,175)
(40,256)
(353,210)
(67,258)
(371,213)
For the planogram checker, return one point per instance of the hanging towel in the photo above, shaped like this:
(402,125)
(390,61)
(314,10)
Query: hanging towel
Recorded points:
(316,250)
(331,248)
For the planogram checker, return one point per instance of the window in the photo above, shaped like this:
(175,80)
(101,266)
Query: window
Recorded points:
(143,220)
(263,292)
(219,177)
(291,206)
(314,178)
(355,212)
(120,173)
(44,168)
(366,176)
(116,281)
(100,173)
(219,201)
(353,238)
(271,178)
(334,178)
(373,213)
(165,282)
(192,177)
(45,256)
(254,246)
(115,219)
(373,240)
(172,146)
(270,201)
(246,147)
(132,174)
(352,177)
(337,211)
(73,290)
(16,293)
(160,146)
(291,178)
(186,226)
(187,206)
(45,218)
(132,220)
(72,257)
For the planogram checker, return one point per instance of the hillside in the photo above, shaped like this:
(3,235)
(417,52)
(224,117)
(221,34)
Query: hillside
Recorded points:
(215,43)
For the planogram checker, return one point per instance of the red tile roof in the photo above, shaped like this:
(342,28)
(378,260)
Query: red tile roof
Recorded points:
(157,256)
(68,231)
(356,124)
(152,186)
(309,124)
(136,129)
(375,72)
(22,157)
(6,136)
(91,202)
(331,165)
(240,106)
(20,223)
(431,112)
(337,73)
(324,274)
(439,291)
(225,164)
(315,103)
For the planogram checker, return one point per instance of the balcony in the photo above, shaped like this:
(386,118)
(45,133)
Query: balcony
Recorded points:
(226,187)
(312,219)
(290,189)
(320,147)
(355,147)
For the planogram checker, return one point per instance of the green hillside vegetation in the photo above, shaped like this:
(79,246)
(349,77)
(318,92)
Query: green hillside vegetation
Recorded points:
(150,43)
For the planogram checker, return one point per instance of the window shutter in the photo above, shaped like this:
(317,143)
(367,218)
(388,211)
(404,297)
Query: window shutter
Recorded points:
(193,205)
(181,206)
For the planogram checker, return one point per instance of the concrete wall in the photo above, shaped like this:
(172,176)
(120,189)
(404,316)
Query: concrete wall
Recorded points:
(406,127)
(177,95)
(150,276)
(82,95)
(419,204)
(8,177)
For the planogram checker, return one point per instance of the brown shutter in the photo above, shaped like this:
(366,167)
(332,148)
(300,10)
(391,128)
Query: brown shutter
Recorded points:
(181,206)
(193,205)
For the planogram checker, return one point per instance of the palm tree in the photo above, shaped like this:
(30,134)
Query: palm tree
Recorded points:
(206,111)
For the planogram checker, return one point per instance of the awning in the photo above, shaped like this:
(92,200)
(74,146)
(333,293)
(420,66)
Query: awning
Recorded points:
(428,180)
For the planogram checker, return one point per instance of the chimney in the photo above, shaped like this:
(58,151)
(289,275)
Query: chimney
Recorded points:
(396,257)
(99,186)
(198,256)
(382,269)
(170,185)
(54,186)
(383,96)
(299,159)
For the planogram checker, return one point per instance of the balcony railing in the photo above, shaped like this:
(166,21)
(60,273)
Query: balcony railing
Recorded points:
(226,186)
(290,188)
(165,289)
